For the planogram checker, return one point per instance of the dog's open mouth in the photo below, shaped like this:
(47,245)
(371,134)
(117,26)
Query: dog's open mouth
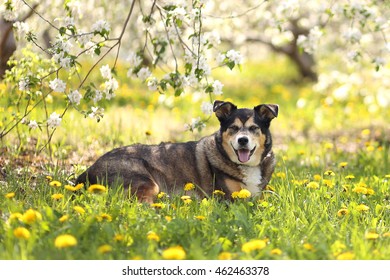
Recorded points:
(244,155)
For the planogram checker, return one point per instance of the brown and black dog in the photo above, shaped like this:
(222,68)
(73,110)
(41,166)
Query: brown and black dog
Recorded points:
(238,156)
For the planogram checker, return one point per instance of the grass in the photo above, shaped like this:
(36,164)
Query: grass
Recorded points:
(328,198)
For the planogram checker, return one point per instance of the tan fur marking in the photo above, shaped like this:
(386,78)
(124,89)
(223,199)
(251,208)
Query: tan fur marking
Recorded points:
(233,185)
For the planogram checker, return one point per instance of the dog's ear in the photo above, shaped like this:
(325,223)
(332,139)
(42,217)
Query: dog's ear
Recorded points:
(223,109)
(267,111)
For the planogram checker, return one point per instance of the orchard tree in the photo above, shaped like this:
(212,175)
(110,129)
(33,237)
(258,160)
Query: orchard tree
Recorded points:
(339,44)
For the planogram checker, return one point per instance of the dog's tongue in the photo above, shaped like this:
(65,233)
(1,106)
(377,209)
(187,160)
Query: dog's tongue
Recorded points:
(243,155)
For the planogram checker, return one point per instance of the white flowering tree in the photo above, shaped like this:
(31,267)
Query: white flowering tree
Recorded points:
(183,40)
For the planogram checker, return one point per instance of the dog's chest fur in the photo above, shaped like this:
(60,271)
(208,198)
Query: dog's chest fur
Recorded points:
(252,178)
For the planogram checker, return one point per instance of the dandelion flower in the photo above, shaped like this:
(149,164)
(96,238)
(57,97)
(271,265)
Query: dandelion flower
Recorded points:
(386,234)
(57,196)
(370,191)
(65,240)
(313,185)
(158,205)
(189,187)
(329,173)
(168,218)
(200,218)
(362,208)
(21,233)
(79,209)
(371,235)
(74,188)
(174,253)
(281,175)
(276,251)
(328,183)
(346,256)
(218,192)
(10,195)
(31,216)
(64,218)
(96,188)
(55,184)
(359,189)
(350,177)
(308,246)
(151,235)
(328,145)
(253,245)
(104,249)
(161,195)
(104,217)
(343,164)
(49,178)
(225,256)
(16,216)
(186,199)
(243,193)
(342,212)
(317,177)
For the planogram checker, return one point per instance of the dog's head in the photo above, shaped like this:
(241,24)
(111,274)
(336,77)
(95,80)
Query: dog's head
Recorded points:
(245,132)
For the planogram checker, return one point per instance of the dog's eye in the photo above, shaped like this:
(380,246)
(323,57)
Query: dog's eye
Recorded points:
(234,128)
(253,128)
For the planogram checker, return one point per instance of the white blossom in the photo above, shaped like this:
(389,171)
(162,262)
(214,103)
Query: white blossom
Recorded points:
(353,35)
(32,124)
(54,120)
(100,26)
(24,84)
(96,113)
(105,70)
(207,108)
(75,97)
(57,85)
(217,87)
(144,73)
(153,84)
(195,123)
(234,56)
(98,96)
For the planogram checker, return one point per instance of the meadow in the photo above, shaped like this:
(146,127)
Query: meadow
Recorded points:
(329,197)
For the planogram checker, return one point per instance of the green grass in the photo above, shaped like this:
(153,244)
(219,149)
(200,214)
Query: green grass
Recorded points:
(305,214)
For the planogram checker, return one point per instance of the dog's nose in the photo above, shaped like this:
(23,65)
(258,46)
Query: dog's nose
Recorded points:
(243,141)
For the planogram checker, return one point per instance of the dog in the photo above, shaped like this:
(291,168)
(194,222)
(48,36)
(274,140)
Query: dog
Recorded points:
(238,156)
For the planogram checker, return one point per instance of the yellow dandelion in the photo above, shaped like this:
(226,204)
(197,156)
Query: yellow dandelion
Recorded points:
(119,237)
(366,132)
(161,195)
(96,188)
(49,178)
(342,212)
(225,256)
(328,183)
(21,233)
(64,218)
(386,234)
(79,209)
(301,152)
(361,190)
(346,187)
(31,216)
(189,187)
(346,256)
(74,188)
(313,185)
(55,184)
(371,235)
(269,188)
(174,253)
(103,249)
(362,208)
(218,192)
(244,193)
(65,240)
(186,199)
(151,235)
(281,175)
(10,195)
(329,173)
(57,196)
(200,218)
(235,194)
(350,177)
(276,251)
(343,164)
(308,246)
(168,218)
(317,177)
(158,205)
(370,191)
(104,217)
(16,216)
(370,148)
(328,145)
(253,245)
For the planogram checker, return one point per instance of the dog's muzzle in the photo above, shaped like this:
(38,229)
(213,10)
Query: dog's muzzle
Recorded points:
(243,153)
